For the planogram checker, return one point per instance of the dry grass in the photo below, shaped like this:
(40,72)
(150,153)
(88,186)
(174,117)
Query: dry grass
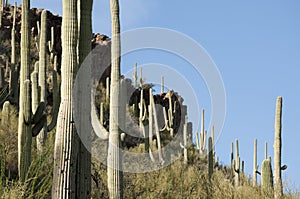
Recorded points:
(174,181)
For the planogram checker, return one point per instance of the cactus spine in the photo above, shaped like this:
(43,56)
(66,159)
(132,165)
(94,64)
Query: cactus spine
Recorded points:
(24,125)
(114,158)
(277,150)
(255,166)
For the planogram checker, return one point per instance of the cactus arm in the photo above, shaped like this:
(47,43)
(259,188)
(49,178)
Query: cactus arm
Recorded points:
(197,141)
(34,91)
(166,127)
(39,125)
(38,113)
(56,101)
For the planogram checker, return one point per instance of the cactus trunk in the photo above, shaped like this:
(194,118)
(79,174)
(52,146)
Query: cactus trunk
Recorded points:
(266,175)
(114,158)
(84,155)
(66,141)
(41,138)
(255,167)
(185,141)
(210,157)
(24,125)
(277,151)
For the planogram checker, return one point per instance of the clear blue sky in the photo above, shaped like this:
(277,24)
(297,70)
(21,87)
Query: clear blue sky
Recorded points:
(256,46)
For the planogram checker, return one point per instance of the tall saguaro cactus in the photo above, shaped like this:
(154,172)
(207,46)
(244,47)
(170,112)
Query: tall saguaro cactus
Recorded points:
(277,151)
(85,46)
(24,125)
(66,141)
(114,158)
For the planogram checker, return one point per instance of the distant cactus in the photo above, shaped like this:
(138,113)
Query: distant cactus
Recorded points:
(203,134)
(162,84)
(255,166)
(236,165)
(277,150)
(135,77)
(266,150)
(14,72)
(210,158)
(267,175)
(185,141)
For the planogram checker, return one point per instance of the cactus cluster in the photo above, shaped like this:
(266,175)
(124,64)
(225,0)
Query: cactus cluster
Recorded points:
(76,166)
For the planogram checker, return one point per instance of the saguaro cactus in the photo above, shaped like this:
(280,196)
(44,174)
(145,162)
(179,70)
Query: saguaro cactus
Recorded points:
(255,166)
(236,164)
(85,46)
(24,125)
(202,139)
(114,158)
(210,158)
(66,146)
(162,84)
(266,175)
(135,76)
(41,138)
(185,140)
(13,78)
(277,150)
